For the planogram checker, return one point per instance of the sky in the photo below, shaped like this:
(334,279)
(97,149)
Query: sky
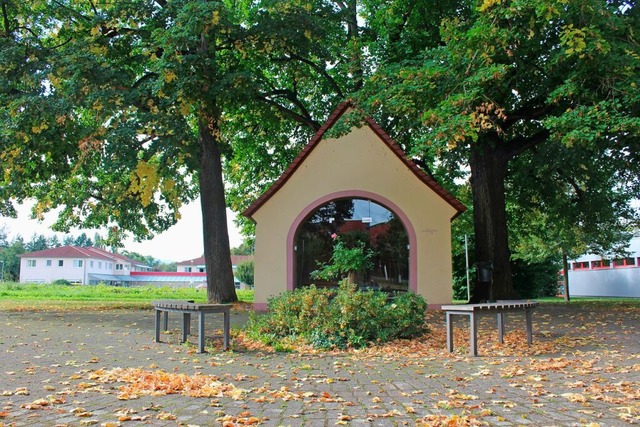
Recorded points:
(181,242)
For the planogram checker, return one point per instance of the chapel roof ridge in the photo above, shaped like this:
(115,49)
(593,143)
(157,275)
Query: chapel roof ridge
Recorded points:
(337,113)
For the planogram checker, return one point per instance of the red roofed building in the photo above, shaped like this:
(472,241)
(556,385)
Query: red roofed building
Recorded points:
(76,264)
(91,266)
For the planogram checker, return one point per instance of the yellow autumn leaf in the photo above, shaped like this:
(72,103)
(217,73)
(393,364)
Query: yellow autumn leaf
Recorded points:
(39,128)
(163,415)
(170,76)
(486,4)
(185,108)
(575,397)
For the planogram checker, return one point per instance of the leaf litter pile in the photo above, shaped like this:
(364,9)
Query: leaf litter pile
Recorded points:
(577,365)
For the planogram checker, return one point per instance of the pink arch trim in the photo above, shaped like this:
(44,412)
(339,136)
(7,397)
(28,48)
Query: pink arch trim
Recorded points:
(411,233)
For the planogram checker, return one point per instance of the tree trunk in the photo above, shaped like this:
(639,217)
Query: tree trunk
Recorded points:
(217,256)
(565,271)
(488,168)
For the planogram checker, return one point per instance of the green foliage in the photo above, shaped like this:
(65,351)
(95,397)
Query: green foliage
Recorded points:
(345,259)
(543,94)
(244,272)
(339,318)
(61,282)
(530,279)
(9,256)
(246,248)
(536,279)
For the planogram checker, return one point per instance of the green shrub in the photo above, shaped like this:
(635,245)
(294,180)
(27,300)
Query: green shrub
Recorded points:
(244,272)
(339,318)
(61,282)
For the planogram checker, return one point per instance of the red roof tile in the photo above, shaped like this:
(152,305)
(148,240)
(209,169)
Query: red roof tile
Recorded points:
(235,260)
(68,252)
(239,259)
(393,146)
(194,261)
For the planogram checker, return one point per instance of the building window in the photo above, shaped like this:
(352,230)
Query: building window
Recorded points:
(110,266)
(31,263)
(356,221)
(118,266)
(187,269)
(91,264)
(603,263)
(624,262)
(48,263)
(100,264)
(584,265)
(201,269)
(77,263)
(126,266)
(60,263)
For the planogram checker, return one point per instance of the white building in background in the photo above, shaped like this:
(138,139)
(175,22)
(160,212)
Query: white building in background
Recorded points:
(91,266)
(197,265)
(82,265)
(594,276)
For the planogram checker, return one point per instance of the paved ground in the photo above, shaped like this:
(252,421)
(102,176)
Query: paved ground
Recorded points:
(103,368)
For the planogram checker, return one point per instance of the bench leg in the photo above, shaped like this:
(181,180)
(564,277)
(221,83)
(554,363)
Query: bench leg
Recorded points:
(227,326)
(500,318)
(473,334)
(527,314)
(201,332)
(186,325)
(165,322)
(157,325)
(449,332)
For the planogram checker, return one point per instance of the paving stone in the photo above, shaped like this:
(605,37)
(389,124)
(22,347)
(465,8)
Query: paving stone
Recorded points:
(52,355)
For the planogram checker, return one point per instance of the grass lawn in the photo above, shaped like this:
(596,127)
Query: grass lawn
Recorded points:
(19,296)
(584,301)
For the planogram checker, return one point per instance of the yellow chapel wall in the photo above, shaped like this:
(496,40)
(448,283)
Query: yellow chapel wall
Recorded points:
(358,161)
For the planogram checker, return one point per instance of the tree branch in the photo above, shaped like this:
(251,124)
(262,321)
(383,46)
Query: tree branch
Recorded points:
(320,70)
(292,97)
(305,120)
(5,19)
(143,79)
(513,148)
(93,6)
(423,165)
(533,110)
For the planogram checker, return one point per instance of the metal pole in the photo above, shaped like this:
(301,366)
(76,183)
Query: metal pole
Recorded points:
(466,254)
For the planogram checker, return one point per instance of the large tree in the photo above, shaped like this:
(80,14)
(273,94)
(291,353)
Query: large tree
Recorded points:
(520,82)
(340,47)
(114,112)
(134,105)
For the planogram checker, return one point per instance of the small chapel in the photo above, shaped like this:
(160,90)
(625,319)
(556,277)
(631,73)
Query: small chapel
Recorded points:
(356,187)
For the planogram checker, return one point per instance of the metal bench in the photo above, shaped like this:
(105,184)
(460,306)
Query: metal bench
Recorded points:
(498,308)
(187,308)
